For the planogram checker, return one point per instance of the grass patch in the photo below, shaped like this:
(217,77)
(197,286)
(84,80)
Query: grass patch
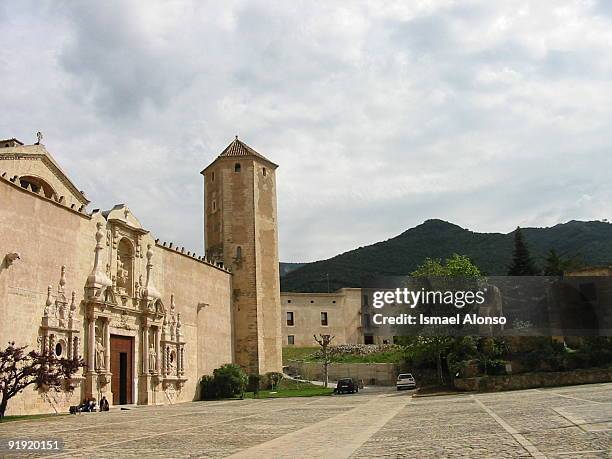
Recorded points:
(297,353)
(30,417)
(292,388)
(378,357)
(316,391)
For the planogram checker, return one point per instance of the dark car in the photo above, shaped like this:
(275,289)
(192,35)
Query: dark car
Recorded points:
(347,385)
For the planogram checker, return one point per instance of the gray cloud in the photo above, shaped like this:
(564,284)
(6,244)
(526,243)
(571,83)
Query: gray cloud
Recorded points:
(380,114)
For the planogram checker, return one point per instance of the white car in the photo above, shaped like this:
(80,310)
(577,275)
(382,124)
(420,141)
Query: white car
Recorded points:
(405,381)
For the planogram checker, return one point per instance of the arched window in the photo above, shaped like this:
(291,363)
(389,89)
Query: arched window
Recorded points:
(36,184)
(238,253)
(237,167)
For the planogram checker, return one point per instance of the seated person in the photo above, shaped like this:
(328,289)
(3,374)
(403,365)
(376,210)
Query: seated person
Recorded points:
(104,406)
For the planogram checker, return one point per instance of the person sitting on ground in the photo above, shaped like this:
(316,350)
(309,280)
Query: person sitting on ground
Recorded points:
(104,404)
(84,407)
(92,405)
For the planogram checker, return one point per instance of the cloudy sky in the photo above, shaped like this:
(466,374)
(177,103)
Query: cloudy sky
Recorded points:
(380,114)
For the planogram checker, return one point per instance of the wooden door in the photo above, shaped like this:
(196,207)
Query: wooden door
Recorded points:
(122,361)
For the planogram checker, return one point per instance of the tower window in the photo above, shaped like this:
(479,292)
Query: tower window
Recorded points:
(324,319)
(212,176)
(291,340)
(237,167)
(214,205)
(290,321)
(264,171)
(238,253)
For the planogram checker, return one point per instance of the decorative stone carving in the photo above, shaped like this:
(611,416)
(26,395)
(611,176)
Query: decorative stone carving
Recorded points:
(173,345)
(100,353)
(152,358)
(10,258)
(122,276)
(60,326)
(151,297)
(98,283)
(72,306)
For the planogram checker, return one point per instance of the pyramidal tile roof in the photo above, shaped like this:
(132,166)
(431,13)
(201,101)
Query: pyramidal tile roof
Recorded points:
(239,148)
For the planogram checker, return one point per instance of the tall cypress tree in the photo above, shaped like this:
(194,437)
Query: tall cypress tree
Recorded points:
(522,263)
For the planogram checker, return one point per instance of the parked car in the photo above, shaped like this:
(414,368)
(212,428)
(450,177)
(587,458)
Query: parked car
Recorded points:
(347,385)
(405,381)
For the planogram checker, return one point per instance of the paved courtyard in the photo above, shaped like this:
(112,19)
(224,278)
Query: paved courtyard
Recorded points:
(565,422)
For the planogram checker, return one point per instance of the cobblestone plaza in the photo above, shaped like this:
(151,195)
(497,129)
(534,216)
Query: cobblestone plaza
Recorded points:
(562,422)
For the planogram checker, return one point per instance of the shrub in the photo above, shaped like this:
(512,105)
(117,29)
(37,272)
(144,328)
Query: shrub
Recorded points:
(230,380)
(208,389)
(226,381)
(254,383)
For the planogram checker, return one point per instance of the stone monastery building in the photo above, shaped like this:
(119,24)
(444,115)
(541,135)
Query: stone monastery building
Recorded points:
(148,318)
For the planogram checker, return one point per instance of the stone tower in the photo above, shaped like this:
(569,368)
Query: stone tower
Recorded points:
(241,231)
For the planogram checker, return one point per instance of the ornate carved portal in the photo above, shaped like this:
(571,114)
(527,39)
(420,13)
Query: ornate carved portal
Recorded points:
(118,304)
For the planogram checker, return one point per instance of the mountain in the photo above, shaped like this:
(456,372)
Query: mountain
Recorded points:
(286,268)
(590,241)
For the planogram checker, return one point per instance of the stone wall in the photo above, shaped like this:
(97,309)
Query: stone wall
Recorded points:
(533,380)
(48,235)
(380,374)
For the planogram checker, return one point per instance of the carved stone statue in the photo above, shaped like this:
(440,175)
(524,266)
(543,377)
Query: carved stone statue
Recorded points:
(122,276)
(99,354)
(152,358)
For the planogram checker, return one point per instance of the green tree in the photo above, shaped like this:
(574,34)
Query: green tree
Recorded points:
(522,263)
(455,266)
(437,348)
(556,264)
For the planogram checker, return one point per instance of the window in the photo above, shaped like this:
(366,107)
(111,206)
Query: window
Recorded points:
(291,340)
(290,322)
(237,167)
(311,301)
(288,301)
(368,339)
(264,171)
(214,205)
(36,185)
(213,176)
(238,253)
(324,318)
(334,302)
(58,349)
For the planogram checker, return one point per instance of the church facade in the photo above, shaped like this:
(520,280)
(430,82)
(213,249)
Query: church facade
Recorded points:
(148,317)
